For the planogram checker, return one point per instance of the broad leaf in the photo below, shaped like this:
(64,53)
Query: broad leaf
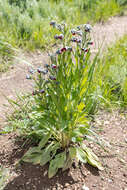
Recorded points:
(44,141)
(72,152)
(92,158)
(56,163)
(48,153)
(81,155)
(67,163)
(31,154)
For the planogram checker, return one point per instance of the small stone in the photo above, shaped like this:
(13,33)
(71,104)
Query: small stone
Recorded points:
(85,188)
(28,76)
(67,184)
(110,180)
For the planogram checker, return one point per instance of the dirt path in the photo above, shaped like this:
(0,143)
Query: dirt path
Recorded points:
(15,79)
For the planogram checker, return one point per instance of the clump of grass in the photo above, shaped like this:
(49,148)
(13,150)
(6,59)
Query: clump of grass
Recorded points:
(6,55)
(112,74)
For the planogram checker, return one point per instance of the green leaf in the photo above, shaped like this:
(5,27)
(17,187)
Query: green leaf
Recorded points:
(81,155)
(48,153)
(56,163)
(72,152)
(32,155)
(92,158)
(67,163)
(44,141)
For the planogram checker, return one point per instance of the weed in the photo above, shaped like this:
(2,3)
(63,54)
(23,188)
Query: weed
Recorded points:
(60,100)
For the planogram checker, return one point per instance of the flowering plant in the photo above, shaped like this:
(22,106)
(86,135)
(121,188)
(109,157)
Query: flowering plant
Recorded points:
(60,96)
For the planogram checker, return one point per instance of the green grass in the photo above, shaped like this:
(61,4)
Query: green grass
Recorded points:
(26,23)
(111,75)
(6,55)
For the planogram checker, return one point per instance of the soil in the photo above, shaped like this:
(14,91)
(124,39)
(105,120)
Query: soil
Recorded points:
(111,126)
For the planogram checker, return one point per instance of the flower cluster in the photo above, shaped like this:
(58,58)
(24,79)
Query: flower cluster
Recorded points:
(48,73)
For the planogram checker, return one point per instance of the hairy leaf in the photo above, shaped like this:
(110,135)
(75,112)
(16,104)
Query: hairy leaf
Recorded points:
(56,163)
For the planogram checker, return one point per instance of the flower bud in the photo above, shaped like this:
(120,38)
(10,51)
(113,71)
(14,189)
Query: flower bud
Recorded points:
(52,23)
(39,70)
(87,27)
(90,43)
(58,52)
(63,49)
(42,91)
(73,31)
(53,66)
(85,50)
(61,36)
(31,71)
(52,77)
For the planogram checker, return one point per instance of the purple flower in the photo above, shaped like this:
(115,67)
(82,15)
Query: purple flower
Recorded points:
(60,37)
(53,66)
(78,40)
(63,49)
(52,77)
(58,52)
(87,27)
(73,31)
(31,71)
(52,23)
(90,43)
(42,91)
(85,50)
(40,70)
(57,83)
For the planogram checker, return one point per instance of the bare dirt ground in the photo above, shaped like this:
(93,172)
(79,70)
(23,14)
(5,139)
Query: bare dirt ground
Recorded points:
(113,127)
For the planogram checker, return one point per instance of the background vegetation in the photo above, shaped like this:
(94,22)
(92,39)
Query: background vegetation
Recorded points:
(25,23)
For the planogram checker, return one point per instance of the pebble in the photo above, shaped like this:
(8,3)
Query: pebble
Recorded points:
(110,180)
(85,188)
(28,76)
(67,184)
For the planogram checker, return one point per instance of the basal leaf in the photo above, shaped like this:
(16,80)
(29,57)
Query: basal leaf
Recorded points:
(33,158)
(81,155)
(56,163)
(48,153)
(30,153)
(92,158)
(44,141)
(72,152)
(67,163)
